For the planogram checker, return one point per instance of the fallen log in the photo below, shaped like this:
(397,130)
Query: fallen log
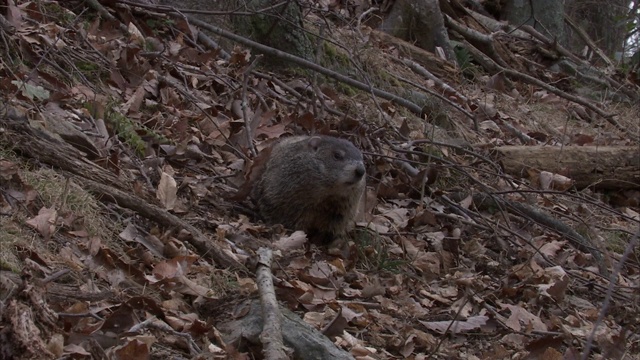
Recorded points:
(600,167)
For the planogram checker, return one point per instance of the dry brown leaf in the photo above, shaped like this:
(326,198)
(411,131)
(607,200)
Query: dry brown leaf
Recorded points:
(550,249)
(557,285)
(44,222)
(457,326)
(133,349)
(428,262)
(172,268)
(551,181)
(8,169)
(74,351)
(522,320)
(167,191)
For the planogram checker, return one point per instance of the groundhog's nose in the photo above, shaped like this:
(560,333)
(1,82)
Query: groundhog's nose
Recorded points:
(360,171)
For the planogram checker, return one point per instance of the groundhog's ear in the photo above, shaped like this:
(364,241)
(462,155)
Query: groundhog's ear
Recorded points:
(314,142)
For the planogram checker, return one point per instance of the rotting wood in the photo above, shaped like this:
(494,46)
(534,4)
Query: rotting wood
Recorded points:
(46,148)
(438,66)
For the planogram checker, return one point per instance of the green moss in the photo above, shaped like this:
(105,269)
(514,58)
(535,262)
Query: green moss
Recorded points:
(57,13)
(129,131)
(346,89)
(87,67)
(616,241)
(332,56)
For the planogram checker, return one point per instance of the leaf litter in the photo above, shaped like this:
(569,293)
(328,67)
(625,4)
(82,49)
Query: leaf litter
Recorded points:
(427,273)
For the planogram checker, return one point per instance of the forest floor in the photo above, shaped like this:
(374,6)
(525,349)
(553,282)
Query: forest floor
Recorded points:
(121,143)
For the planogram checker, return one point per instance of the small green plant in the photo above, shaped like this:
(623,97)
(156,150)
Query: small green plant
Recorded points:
(57,13)
(223,282)
(92,71)
(126,130)
(373,254)
(158,25)
(129,131)
(463,57)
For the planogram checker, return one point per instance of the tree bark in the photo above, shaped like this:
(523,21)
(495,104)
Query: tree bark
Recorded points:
(420,22)
(546,16)
(279,27)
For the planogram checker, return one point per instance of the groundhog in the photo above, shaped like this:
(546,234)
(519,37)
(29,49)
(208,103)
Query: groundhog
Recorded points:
(312,183)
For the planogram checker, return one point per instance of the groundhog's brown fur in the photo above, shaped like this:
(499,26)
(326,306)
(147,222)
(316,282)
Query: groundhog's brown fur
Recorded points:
(312,184)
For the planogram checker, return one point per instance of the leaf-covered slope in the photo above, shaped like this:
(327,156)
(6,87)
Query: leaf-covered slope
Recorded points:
(121,140)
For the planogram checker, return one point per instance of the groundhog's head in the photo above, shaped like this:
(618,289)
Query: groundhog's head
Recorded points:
(339,161)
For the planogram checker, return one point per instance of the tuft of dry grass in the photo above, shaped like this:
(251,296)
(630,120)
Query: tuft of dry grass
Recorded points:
(54,190)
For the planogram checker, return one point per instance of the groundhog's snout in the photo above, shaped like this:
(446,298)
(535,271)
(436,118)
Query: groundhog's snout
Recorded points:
(354,173)
(359,171)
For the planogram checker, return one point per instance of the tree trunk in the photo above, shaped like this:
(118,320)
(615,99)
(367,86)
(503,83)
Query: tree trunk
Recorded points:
(419,22)
(547,16)
(279,27)
(602,21)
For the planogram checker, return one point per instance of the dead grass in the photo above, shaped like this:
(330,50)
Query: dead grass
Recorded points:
(53,191)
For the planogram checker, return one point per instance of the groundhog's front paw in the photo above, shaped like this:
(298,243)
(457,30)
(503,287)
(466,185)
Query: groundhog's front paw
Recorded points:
(339,246)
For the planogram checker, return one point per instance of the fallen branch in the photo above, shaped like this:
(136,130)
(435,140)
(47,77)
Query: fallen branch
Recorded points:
(495,68)
(588,41)
(414,108)
(204,245)
(45,148)
(601,167)
(563,51)
(448,90)
(271,336)
(306,341)
(483,201)
(471,34)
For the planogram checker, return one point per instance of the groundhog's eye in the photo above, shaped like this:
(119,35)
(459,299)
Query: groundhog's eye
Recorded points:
(338,156)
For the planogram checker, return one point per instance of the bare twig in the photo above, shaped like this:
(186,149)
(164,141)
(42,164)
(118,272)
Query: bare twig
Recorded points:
(607,300)
(365,13)
(552,89)
(563,51)
(57,274)
(154,323)
(447,89)
(469,33)
(245,105)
